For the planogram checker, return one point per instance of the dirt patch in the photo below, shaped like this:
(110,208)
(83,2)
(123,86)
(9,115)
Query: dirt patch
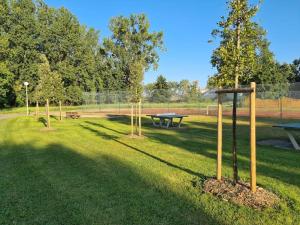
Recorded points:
(240,193)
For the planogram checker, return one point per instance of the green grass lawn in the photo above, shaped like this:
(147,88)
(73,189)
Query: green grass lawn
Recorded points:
(88,171)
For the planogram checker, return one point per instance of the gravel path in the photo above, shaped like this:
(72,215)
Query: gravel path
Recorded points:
(10,115)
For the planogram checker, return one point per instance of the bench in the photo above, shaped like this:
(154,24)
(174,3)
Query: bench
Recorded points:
(73,115)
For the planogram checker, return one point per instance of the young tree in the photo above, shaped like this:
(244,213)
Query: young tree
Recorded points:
(240,41)
(50,85)
(134,49)
(235,58)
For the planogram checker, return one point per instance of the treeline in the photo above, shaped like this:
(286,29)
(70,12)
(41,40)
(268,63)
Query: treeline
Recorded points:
(37,39)
(162,91)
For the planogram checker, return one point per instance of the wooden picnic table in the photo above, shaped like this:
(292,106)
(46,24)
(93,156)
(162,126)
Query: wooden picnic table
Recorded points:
(73,115)
(290,127)
(166,119)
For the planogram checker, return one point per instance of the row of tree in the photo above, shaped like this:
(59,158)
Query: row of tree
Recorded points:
(60,58)
(171,91)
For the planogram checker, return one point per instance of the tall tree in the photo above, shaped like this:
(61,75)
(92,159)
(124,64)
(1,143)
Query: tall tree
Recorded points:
(6,77)
(161,92)
(296,69)
(23,42)
(134,48)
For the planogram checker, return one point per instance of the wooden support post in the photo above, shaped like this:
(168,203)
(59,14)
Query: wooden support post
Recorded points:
(219,153)
(280,107)
(136,118)
(47,111)
(131,119)
(140,118)
(253,138)
(37,110)
(60,112)
(234,150)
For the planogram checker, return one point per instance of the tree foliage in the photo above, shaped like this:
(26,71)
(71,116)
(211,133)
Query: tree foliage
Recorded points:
(171,91)
(134,49)
(243,55)
(50,85)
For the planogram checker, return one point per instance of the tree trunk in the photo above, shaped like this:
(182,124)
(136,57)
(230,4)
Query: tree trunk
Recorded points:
(234,116)
(234,150)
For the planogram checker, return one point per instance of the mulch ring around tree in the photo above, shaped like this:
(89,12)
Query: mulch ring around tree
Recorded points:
(240,193)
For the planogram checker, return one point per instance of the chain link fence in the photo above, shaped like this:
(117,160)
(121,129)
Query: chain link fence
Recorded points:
(277,101)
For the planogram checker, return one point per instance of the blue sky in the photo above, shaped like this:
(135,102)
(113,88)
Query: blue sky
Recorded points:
(187,25)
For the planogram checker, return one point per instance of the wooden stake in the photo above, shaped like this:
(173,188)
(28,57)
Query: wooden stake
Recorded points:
(219,153)
(60,112)
(37,110)
(234,150)
(136,118)
(48,116)
(140,119)
(280,106)
(253,138)
(131,119)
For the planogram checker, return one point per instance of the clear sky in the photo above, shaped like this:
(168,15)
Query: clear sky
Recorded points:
(187,25)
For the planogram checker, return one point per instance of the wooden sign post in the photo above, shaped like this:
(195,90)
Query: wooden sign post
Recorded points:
(235,91)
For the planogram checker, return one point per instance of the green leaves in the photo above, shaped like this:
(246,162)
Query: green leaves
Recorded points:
(242,45)
(73,56)
(134,49)
(50,85)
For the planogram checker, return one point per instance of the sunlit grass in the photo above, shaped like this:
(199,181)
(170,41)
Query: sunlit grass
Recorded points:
(88,171)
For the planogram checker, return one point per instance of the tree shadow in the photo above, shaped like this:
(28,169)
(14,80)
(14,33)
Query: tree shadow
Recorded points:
(105,127)
(43,121)
(201,138)
(115,138)
(56,185)
(54,117)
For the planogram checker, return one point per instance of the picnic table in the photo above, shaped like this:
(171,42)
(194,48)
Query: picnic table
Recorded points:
(73,115)
(166,119)
(290,127)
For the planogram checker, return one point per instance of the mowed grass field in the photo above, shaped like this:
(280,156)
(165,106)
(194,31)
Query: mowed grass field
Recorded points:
(88,171)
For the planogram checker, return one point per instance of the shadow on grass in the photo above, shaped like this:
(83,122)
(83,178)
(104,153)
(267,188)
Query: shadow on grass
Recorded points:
(115,138)
(200,138)
(102,126)
(56,185)
(43,121)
